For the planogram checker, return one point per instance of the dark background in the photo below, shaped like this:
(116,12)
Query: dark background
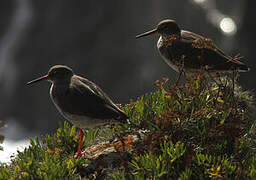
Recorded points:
(97,39)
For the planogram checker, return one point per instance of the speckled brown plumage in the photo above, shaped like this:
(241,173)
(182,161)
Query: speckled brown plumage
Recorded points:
(191,52)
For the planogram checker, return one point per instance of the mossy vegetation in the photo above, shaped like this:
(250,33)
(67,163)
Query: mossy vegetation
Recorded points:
(202,129)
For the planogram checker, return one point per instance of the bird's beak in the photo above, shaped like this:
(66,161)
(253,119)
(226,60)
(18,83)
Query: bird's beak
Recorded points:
(43,78)
(154,31)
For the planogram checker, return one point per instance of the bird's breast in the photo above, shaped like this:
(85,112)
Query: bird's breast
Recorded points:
(63,98)
(59,98)
(165,51)
(54,98)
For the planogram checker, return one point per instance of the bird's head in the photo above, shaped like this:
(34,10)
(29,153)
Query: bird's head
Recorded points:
(166,27)
(57,73)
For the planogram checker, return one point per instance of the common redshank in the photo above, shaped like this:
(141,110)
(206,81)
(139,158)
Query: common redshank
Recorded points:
(80,101)
(189,52)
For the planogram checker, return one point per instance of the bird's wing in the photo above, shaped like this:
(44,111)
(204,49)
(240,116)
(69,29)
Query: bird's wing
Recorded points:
(190,37)
(94,102)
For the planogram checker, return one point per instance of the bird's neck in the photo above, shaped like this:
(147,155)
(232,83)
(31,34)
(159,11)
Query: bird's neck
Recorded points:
(58,89)
(171,35)
(62,82)
(60,85)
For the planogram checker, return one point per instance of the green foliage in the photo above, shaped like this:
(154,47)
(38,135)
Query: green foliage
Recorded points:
(5,172)
(211,119)
(65,138)
(117,175)
(209,166)
(143,111)
(200,130)
(168,164)
(51,159)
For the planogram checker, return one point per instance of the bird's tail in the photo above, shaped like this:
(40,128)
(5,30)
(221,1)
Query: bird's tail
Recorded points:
(243,68)
(123,118)
(240,66)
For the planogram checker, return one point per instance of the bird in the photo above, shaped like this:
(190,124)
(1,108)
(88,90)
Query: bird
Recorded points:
(191,53)
(80,101)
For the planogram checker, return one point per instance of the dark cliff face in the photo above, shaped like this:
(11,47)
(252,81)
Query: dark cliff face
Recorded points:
(95,38)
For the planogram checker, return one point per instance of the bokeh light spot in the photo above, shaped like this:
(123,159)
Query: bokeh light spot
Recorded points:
(199,1)
(228,26)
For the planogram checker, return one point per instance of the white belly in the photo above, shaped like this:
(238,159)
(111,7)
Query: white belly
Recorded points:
(83,121)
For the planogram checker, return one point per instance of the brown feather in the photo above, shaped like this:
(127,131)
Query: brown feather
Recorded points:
(83,97)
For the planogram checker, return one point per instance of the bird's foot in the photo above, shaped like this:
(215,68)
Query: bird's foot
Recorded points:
(77,155)
(83,153)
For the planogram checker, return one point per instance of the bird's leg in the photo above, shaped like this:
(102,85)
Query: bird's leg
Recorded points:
(234,78)
(178,79)
(233,82)
(121,139)
(81,136)
(219,85)
(181,70)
